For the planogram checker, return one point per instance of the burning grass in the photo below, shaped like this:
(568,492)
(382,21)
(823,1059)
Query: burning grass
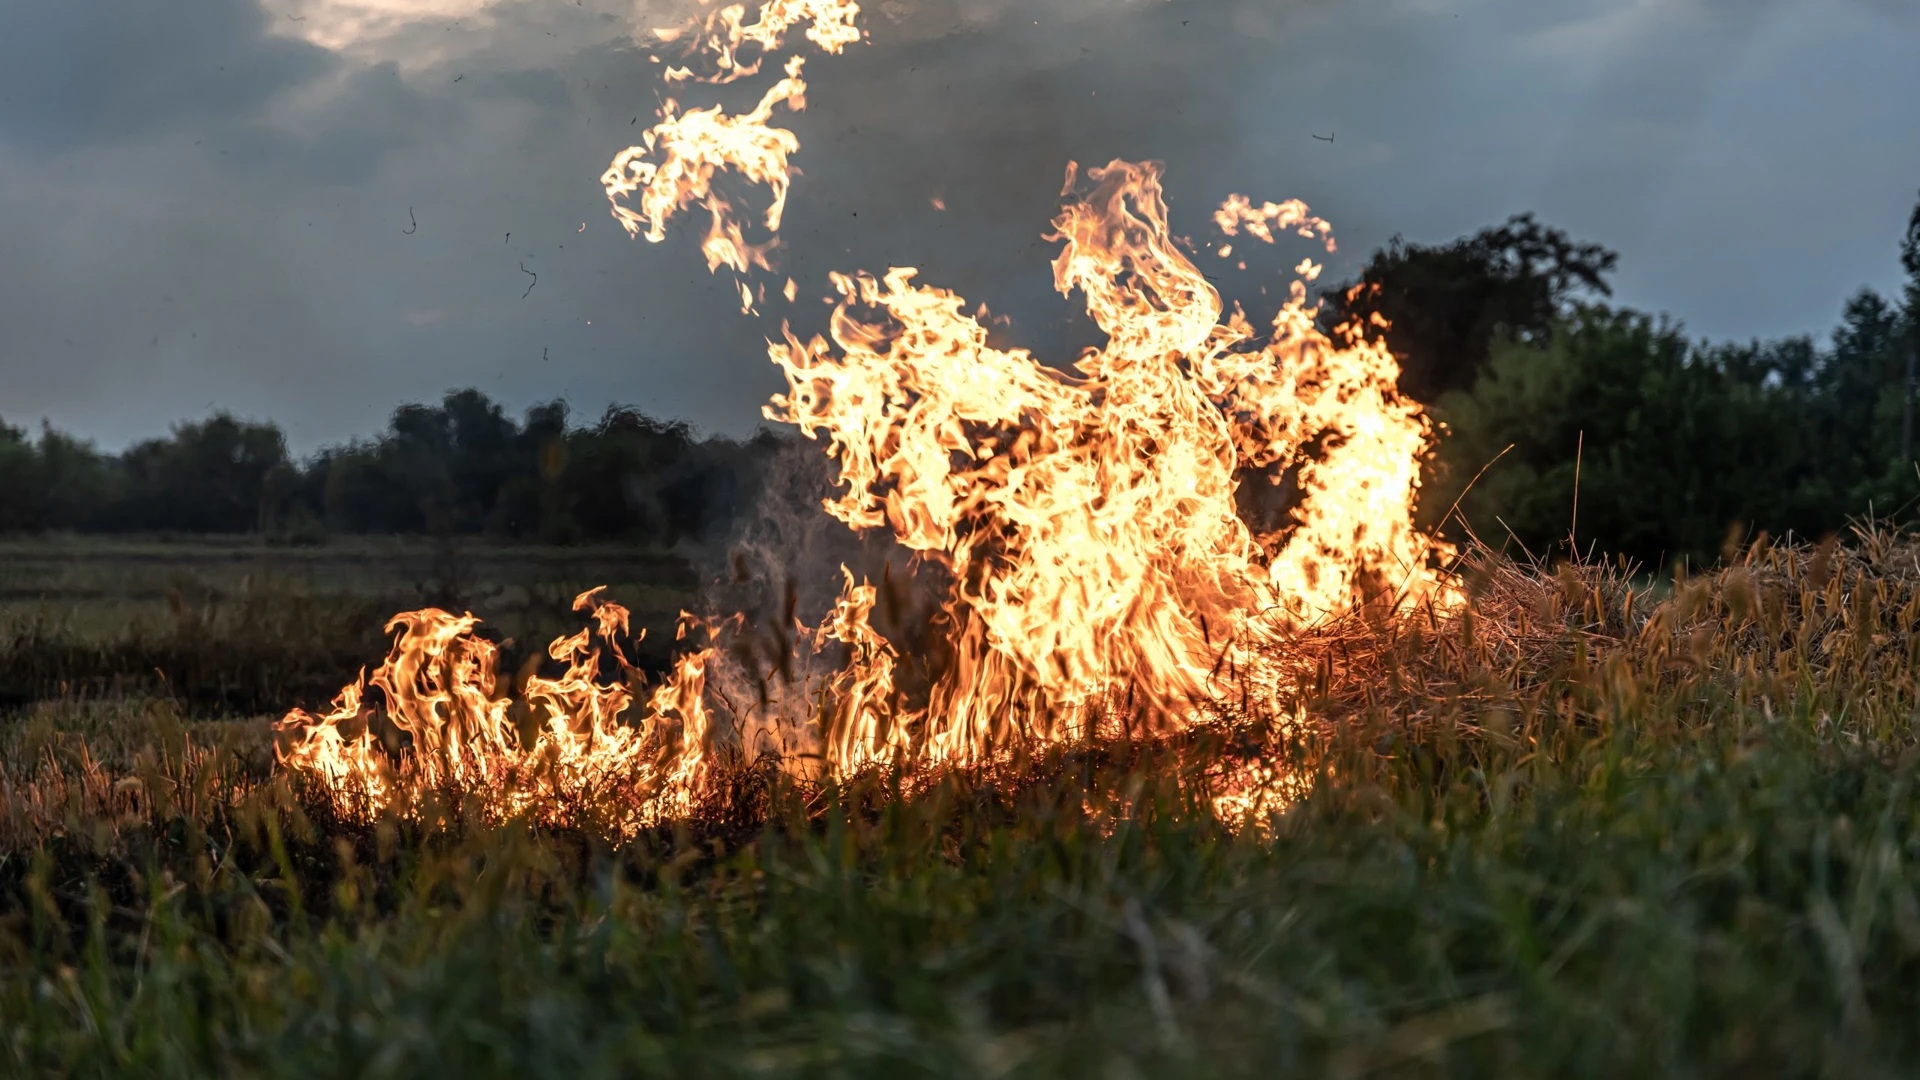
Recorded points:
(1588,828)
(1167,795)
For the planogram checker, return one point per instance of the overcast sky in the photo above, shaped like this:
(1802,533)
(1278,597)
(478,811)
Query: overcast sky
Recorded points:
(207,204)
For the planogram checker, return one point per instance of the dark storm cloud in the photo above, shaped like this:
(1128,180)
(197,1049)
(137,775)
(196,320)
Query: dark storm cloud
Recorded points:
(74,72)
(539,88)
(366,114)
(328,233)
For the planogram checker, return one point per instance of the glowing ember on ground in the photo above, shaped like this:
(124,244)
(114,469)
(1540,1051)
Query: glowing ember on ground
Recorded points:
(1104,577)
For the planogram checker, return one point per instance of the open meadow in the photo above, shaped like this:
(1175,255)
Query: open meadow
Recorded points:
(1587,828)
(235,626)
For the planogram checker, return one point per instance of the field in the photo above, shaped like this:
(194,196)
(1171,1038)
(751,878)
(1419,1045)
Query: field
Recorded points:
(237,627)
(1600,827)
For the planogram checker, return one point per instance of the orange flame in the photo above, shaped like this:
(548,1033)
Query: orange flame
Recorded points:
(1103,574)
(1089,520)
(831,25)
(438,693)
(693,147)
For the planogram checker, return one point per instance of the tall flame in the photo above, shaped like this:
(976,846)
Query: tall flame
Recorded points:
(1089,520)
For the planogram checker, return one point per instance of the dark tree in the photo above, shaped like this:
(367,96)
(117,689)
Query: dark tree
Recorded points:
(614,473)
(531,504)
(209,477)
(480,446)
(1444,305)
(24,507)
(1910,259)
(79,485)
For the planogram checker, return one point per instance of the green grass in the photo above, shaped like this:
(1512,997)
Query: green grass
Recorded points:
(1586,832)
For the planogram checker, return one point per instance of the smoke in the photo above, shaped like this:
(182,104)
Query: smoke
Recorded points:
(782,571)
(788,542)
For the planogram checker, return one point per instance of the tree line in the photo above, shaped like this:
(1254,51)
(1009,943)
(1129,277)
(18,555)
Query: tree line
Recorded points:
(1563,418)
(1567,419)
(457,468)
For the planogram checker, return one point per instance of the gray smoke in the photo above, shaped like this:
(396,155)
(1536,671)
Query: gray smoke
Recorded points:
(775,582)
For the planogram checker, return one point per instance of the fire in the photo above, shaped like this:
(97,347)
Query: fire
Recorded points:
(1103,575)
(831,24)
(1090,519)
(692,148)
(675,165)
(439,688)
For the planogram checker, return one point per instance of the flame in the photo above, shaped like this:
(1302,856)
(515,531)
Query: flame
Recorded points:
(438,690)
(692,148)
(1250,792)
(677,160)
(1103,576)
(720,38)
(1261,222)
(1089,519)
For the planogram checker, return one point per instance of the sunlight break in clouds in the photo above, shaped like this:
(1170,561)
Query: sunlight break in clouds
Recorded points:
(423,33)
(417,34)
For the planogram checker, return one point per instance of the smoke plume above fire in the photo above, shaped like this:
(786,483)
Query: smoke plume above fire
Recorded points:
(1083,522)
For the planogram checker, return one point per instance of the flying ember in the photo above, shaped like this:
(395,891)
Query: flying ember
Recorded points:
(1101,573)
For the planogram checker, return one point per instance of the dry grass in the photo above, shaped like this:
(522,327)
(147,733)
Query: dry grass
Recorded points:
(1599,826)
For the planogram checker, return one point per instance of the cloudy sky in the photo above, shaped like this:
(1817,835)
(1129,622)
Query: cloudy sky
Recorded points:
(313,210)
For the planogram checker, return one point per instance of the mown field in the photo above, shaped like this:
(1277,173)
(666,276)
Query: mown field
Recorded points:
(238,627)
(1596,828)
